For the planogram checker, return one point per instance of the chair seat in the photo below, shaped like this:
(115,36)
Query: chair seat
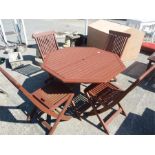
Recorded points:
(150,47)
(51,94)
(96,89)
(104,92)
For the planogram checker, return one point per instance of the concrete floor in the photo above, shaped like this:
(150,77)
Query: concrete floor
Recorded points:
(139,104)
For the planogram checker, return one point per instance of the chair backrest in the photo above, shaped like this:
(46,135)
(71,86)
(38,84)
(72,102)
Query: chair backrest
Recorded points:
(139,80)
(117,42)
(46,42)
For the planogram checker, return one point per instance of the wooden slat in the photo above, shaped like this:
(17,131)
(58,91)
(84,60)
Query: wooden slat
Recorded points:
(117,42)
(88,65)
(46,42)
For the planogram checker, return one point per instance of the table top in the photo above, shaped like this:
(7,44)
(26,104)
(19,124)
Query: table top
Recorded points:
(83,65)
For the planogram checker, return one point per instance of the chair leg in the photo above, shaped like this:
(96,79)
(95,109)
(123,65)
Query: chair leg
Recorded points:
(101,121)
(31,115)
(123,112)
(51,131)
(76,111)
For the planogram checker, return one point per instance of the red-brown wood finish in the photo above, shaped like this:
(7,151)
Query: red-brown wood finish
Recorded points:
(105,96)
(117,42)
(83,65)
(46,42)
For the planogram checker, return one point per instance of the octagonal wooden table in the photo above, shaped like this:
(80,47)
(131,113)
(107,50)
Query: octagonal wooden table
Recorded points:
(83,65)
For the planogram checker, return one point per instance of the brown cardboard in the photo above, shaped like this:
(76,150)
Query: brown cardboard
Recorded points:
(98,37)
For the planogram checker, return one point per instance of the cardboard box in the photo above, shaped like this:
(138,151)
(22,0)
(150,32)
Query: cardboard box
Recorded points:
(98,37)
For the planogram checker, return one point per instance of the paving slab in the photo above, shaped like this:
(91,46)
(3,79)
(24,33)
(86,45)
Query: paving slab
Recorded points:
(139,104)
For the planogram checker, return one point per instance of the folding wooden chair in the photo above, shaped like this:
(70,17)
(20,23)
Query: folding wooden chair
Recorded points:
(105,96)
(46,42)
(53,99)
(117,42)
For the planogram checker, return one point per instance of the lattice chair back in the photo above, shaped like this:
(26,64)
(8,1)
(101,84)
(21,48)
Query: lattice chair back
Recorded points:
(46,42)
(117,42)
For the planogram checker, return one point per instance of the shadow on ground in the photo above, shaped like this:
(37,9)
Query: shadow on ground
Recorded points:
(138,125)
(136,70)
(29,58)
(32,46)
(7,116)
(31,84)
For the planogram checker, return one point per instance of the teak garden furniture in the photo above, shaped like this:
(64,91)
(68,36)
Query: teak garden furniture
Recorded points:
(83,65)
(52,99)
(105,96)
(117,42)
(46,42)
